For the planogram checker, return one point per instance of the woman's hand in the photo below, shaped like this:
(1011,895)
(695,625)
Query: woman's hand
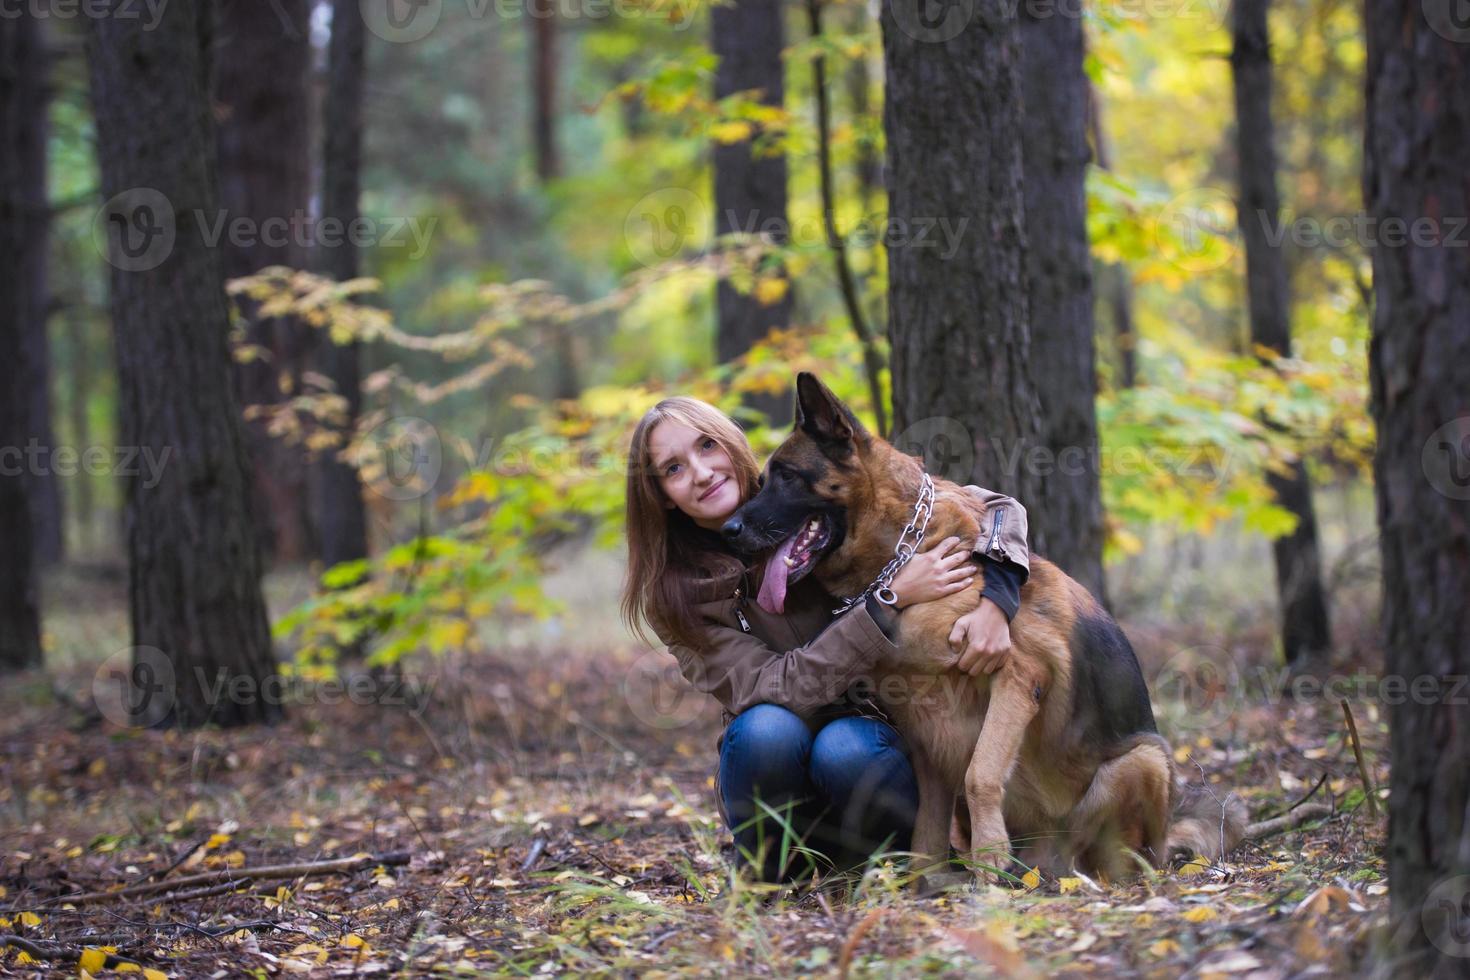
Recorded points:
(934,574)
(982,638)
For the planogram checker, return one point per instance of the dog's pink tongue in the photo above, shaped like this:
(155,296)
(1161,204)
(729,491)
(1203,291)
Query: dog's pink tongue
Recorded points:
(773,581)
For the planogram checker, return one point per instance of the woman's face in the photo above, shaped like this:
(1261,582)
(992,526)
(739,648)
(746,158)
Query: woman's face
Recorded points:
(695,473)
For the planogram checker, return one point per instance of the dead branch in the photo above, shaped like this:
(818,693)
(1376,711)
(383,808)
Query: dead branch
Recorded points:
(1368,789)
(236,876)
(58,951)
(1287,821)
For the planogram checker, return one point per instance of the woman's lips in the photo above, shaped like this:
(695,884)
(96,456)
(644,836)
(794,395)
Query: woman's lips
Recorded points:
(714,488)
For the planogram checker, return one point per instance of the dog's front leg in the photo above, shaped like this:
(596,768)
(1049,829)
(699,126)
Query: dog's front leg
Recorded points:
(931,825)
(1015,697)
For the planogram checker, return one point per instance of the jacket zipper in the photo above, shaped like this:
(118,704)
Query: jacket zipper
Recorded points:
(740,616)
(1000,516)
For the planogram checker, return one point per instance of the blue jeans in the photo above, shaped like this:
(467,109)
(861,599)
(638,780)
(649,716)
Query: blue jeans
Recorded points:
(847,787)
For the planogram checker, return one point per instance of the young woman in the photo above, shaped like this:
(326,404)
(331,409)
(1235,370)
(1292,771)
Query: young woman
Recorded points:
(802,737)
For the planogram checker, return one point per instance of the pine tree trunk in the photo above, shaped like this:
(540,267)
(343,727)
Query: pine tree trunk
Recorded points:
(1418,142)
(263,62)
(1305,636)
(750,191)
(194,570)
(1059,270)
(957,294)
(341,520)
(20,61)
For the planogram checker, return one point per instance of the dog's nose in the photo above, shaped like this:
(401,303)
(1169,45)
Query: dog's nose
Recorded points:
(733,528)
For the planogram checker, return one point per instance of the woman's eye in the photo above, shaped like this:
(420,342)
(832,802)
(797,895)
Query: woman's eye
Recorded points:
(708,444)
(671,469)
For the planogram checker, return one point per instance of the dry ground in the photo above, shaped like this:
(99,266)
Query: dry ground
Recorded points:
(558,817)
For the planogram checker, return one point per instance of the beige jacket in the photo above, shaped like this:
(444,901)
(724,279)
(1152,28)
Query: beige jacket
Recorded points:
(804,659)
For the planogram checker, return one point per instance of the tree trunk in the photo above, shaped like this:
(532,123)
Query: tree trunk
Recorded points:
(341,520)
(543,89)
(750,190)
(957,295)
(1305,637)
(1117,283)
(194,570)
(1418,139)
(21,61)
(1059,270)
(264,159)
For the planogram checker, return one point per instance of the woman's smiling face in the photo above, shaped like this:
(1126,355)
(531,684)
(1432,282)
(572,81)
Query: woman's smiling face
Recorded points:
(695,472)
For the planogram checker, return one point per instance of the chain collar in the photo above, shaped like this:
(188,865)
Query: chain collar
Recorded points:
(902,552)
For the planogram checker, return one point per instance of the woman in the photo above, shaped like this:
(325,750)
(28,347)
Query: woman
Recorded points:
(801,737)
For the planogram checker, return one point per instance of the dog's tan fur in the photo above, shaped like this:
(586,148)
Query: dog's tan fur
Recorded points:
(1012,745)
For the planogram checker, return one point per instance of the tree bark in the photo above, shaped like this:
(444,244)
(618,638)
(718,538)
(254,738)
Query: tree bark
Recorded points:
(1117,282)
(1306,638)
(543,89)
(958,307)
(1059,270)
(194,570)
(750,190)
(341,519)
(1418,139)
(21,58)
(261,95)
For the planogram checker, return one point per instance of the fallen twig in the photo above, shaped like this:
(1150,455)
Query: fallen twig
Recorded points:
(236,876)
(1362,766)
(58,951)
(1287,821)
(189,895)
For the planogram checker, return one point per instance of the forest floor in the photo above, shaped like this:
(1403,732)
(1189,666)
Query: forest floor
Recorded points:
(554,813)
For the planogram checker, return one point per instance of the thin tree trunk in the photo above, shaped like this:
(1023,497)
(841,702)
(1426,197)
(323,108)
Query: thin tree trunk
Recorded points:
(21,61)
(261,89)
(543,89)
(750,191)
(961,348)
(1117,283)
(867,163)
(1059,274)
(194,569)
(1305,636)
(1418,140)
(341,518)
(79,383)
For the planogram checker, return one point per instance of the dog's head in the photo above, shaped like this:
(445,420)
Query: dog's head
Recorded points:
(805,491)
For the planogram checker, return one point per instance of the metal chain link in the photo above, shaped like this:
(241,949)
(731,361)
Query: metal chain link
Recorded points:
(902,552)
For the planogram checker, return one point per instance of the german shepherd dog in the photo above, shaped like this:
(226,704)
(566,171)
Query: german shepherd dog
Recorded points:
(1057,753)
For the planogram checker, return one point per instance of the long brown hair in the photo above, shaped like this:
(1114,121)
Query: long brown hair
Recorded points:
(668,554)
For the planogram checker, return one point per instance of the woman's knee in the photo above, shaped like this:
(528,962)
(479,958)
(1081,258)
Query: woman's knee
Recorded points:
(767,739)
(850,755)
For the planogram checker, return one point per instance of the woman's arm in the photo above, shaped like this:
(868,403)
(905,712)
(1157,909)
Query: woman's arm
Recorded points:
(740,670)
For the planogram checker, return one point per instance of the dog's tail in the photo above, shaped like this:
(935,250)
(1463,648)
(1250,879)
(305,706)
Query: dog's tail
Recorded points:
(1205,822)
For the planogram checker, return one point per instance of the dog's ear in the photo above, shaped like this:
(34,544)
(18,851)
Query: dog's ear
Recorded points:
(822,416)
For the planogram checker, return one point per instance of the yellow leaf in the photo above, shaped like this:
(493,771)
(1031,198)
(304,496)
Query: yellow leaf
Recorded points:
(1032,878)
(1069,884)
(128,968)
(1164,947)
(235,859)
(733,131)
(1199,865)
(97,768)
(92,960)
(28,919)
(149,974)
(1201,913)
(216,840)
(353,941)
(770,291)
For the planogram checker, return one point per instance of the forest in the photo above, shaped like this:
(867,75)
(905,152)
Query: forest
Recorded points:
(345,580)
